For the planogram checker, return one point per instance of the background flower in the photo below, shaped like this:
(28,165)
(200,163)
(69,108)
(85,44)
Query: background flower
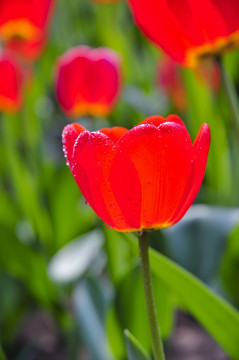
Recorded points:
(189,31)
(88,81)
(24,24)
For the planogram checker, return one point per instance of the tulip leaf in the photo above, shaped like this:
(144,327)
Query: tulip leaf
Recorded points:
(26,264)
(230,265)
(216,315)
(89,320)
(71,262)
(135,350)
(115,334)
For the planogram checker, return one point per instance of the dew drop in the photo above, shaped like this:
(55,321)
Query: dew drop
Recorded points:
(108,227)
(86,202)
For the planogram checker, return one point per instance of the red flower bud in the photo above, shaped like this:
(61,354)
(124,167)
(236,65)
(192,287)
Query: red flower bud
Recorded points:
(189,30)
(144,178)
(88,81)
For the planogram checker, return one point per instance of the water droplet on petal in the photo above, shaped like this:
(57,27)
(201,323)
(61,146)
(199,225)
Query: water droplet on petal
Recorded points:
(86,202)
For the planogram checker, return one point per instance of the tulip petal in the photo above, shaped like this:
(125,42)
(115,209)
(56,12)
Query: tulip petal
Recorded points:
(157,120)
(163,159)
(93,157)
(69,136)
(201,148)
(115,133)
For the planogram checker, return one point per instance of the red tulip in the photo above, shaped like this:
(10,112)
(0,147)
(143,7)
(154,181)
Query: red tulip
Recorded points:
(189,30)
(88,81)
(144,178)
(25,22)
(12,83)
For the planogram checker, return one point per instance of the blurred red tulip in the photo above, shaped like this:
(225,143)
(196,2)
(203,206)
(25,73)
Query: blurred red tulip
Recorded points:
(12,83)
(144,178)
(24,25)
(88,81)
(170,80)
(189,30)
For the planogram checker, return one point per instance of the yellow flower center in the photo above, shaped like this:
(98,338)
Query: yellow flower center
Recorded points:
(222,45)
(21,28)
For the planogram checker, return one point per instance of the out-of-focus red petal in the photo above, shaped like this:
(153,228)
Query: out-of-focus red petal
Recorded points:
(183,30)
(163,158)
(12,83)
(23,18)
(69,136)
(201,148)
(93,158)
(114,133)
(157,21)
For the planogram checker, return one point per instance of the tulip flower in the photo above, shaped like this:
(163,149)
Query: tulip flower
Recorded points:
(143,178)
(12,83)
(24,24)
(189,30)
(88,81)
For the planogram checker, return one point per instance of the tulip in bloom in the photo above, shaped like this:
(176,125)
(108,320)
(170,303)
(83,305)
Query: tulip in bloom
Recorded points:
(189,30)
(24,18)
(143,178)
(88,81)
(12,83)
(25,22)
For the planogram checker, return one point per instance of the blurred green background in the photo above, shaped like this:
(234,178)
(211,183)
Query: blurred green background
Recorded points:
(69,286)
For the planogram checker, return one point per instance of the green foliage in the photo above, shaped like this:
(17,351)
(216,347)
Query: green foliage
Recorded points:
(134,349)
(216,315)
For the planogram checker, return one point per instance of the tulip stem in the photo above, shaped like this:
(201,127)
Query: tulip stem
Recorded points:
(149,297)
(230,92)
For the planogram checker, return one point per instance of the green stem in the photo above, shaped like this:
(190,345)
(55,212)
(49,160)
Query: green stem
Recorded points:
(149,297)
(230,93)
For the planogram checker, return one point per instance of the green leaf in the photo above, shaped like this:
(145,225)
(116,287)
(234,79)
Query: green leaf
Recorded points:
(135,350)
(230,265)
(26,264)
(71,216)
(89,320)
(202,109)
(71,262)
(216,315)
(119,256)
(114,334)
